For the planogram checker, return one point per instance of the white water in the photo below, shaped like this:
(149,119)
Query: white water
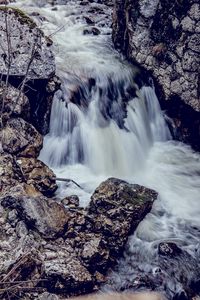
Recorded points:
(90,143)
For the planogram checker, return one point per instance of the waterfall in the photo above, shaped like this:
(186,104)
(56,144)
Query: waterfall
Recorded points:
(99,137)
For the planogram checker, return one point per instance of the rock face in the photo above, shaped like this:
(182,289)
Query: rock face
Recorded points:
(67,250)
(27,60)
(164,38)
(28,46)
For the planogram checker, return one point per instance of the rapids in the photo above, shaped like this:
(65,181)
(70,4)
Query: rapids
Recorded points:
(104,124)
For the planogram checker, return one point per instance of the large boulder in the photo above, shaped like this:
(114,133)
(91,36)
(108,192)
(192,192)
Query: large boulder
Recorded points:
(117,208)
(163,38)
(21,138)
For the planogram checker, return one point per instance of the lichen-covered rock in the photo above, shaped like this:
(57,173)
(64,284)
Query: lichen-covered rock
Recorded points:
(36,173)
(164,38)
(21,138)
(25,177)
(30,51)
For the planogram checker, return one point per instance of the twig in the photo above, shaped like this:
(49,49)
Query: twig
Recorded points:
(68,180)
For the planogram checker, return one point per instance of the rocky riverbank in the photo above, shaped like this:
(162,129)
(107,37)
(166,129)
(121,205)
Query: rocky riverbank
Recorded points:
(163,38)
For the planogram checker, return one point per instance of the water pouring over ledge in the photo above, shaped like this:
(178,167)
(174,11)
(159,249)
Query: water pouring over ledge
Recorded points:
(103,125)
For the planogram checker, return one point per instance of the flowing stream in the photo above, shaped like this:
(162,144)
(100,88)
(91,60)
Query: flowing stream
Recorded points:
(103,124)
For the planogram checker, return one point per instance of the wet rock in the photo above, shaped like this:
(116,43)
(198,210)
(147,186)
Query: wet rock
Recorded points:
(95,253)
(93,30)
(169,249)
(175,260)
(73,247)
(66,272)
(21,138)
(36,173)
(164,39)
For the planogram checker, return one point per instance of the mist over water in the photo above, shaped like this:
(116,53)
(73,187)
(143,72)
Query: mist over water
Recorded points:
(103,125)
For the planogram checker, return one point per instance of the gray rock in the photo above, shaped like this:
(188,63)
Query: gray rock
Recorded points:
(28,44)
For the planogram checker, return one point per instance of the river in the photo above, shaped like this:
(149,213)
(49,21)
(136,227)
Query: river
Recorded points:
(104,124)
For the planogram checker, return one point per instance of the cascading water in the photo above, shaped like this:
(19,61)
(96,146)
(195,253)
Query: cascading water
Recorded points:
(103,125)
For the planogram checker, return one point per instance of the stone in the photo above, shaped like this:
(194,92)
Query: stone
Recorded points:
(67,272)
(21,138)
(117,208)
(72,201)
(46,216)
(169,249)
(36,173)
(28,39)
(15,102)
(10,172)
(68,251)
